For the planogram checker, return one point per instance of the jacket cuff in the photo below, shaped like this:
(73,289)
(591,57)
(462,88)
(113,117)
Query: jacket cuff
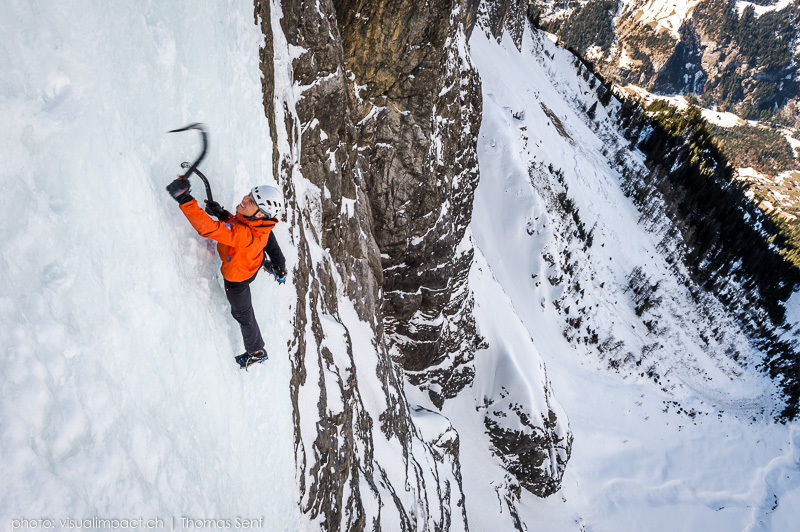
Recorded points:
(184,198)
(186,202)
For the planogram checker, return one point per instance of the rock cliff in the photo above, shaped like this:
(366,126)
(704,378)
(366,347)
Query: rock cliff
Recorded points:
(375,145)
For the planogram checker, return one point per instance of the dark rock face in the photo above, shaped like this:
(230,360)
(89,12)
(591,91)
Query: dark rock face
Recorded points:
(504,16)
(683,71)
(374,111)
(380,130)
(535,454)
(416,104)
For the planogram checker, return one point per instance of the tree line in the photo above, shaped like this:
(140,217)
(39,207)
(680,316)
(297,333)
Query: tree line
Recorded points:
(726,238)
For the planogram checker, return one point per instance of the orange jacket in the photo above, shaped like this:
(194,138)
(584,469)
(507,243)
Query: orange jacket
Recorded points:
(240,242)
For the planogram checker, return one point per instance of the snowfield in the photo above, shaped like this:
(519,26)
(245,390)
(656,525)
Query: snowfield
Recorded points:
(777,5)
(718,118)
(694,452)
(662,14)
(119,396)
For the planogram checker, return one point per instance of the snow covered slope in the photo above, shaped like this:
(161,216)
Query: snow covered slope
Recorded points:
(662,14)
(119,396)
(758,7)
(659,407)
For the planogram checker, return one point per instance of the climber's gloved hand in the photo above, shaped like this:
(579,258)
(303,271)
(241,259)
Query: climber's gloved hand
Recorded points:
(180,190)
(280,275)
(215,209)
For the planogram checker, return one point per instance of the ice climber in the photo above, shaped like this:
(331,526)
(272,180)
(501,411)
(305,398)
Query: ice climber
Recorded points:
(242,241)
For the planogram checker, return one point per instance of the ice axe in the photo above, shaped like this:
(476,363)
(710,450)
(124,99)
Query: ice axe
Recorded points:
(193,167)
(201,176)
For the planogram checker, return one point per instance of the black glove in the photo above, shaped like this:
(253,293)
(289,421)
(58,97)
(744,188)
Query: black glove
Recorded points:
(280,275)
(180,190)
(215,209)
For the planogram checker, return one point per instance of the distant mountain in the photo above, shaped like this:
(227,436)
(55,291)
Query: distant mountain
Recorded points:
(738,56)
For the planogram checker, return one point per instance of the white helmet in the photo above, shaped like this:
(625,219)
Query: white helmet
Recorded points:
(269,200)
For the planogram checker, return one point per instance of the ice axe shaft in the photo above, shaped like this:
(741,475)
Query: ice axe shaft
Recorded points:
(201,176)
(193,167)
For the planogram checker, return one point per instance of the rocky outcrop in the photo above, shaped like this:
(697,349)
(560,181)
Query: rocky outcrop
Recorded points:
(683,72)
(416,104)
(374,145)
(374,112)
(504,17)
(534,451)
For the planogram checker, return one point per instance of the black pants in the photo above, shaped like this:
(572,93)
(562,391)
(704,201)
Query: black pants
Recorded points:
(238,295)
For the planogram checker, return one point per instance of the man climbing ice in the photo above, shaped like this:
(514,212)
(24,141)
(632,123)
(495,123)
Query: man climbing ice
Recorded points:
(242,241)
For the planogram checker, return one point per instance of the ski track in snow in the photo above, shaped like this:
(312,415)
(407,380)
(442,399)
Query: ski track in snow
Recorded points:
(120,397)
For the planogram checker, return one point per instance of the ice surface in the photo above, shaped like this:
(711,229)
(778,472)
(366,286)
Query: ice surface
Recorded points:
(119,394)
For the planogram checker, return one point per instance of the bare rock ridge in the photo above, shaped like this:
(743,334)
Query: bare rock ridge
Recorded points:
(375,144)
(506,16)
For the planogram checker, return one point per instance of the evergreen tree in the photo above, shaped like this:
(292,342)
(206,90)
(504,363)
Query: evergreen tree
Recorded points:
(726,237)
